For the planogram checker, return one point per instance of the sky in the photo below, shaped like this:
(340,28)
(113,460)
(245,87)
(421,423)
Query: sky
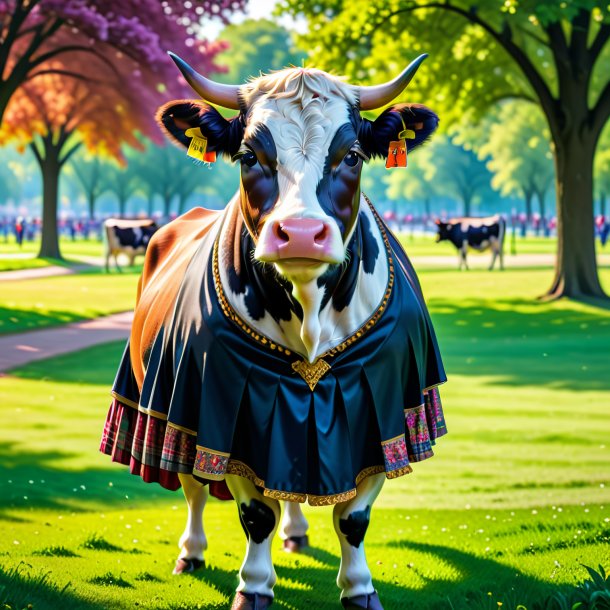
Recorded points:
(257,9)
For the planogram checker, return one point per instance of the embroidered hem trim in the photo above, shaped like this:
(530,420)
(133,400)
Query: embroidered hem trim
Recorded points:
(151,412)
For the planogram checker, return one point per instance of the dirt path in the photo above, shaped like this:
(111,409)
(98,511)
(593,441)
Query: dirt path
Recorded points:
(22,348)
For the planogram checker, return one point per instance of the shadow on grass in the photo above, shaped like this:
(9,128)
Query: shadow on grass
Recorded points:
(36,479)
(477,578)
(76,367)
(521,342)
(19,588)
(14,320)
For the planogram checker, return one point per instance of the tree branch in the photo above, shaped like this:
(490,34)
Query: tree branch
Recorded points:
(65,73)
(37,153)
(600,40)
(505,41)
(69,153)
(601,110)
(69,49)
(580,34)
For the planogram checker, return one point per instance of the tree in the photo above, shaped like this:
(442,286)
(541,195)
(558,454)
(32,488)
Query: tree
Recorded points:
(122,182)
(459,174)
(89,170)
(36,33)
(515,141)
(551,53)
(54,116)
(256,46)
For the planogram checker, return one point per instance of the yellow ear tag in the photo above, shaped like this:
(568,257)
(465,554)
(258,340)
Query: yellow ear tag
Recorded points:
(198,146)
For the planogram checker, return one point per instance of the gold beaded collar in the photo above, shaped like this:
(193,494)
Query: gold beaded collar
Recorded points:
(310,372)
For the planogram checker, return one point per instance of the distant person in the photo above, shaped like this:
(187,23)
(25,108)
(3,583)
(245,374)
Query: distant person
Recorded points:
(4,229)
(19,230)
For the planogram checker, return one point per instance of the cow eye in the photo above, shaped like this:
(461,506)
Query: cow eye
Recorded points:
(351,158)
(249,158)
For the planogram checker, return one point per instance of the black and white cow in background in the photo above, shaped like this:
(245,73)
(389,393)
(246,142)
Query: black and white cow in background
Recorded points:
(129,237)
(476,233)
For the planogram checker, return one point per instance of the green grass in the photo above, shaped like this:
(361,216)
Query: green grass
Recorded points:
(33,304)
(515,500)
(79,247)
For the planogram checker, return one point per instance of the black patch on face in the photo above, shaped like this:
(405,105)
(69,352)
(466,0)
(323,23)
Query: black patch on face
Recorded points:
(355,526)
(370,247)
(257,519)
(339,190)
(259,187)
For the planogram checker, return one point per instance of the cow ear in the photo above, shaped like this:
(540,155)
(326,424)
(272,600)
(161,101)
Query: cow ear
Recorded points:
(375,136)
(224,136)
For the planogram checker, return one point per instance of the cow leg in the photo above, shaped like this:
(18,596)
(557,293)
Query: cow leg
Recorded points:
(293,530)
(351,520)
(193,542)
(116,262)
(463,260)
(260,517)
(494,253)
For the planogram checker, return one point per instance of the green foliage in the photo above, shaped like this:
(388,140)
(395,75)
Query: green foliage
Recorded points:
(602,165)
(256,46)
(592,594)
(514,141)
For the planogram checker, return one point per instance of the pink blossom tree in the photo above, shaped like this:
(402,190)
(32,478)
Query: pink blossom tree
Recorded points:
(34,33)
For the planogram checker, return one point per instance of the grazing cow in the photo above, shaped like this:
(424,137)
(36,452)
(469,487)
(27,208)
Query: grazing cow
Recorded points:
(476,233)
(282,346)
(129,237)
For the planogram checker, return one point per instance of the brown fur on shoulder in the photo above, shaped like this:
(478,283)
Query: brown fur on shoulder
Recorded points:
(167,257)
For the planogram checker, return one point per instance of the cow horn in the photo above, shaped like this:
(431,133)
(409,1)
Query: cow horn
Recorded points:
(379,95)
(217,93)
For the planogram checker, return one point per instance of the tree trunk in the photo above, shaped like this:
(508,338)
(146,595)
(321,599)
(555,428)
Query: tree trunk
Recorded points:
(151,205)
(50,168)
(427,207)
(122,206)
(91,205)
(167,203)
(541,196)
(576,265)
(467,201)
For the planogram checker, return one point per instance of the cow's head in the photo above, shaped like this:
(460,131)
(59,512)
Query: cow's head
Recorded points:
(301,143)
(443,230)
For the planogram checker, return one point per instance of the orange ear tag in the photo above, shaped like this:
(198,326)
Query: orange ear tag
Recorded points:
(198,147)
(397,152)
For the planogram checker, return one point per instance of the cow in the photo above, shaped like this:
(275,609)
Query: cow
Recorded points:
(476,233)
(129,237)
(281,348)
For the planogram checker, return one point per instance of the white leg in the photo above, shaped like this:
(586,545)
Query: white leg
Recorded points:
(193,541)
(293,530)
(351,520)
(260,517)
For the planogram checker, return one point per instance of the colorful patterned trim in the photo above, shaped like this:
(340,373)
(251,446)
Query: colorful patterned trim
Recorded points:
(230,313)
(210,464)
(395,454)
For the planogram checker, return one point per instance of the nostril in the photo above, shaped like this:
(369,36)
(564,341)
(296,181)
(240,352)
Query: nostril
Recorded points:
(280,233)
(320,236)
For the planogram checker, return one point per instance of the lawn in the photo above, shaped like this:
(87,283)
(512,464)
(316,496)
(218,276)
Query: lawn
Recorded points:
(40,303)
(515,500)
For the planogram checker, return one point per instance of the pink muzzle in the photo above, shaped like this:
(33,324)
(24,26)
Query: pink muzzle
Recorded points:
(300,238)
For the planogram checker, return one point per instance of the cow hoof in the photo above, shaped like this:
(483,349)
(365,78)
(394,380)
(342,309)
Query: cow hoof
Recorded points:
(369,601)
(251,601)
(295,544)
(185,565)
